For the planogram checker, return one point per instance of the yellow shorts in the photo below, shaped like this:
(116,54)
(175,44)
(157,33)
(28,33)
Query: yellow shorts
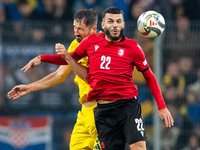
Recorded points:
(84,135)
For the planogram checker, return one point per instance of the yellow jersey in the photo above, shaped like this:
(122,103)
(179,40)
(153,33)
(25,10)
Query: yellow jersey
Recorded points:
(84,88)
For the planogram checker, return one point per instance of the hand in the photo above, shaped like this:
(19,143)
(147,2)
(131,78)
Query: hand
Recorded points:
(18,91)
(166,116)
(61,50)
(31,64)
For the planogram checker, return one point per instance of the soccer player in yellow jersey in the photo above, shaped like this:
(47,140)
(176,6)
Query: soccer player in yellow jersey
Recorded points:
(84,135)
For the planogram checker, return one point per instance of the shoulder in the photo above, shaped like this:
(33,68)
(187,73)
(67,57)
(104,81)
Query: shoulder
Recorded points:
(74,44)
(136,51)
(130,41)
(96,35)
(133,44)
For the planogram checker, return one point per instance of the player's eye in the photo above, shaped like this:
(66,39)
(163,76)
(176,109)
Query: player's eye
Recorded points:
(119,21)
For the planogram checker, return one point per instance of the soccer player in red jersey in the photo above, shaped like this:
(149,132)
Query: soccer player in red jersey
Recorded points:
(112,58)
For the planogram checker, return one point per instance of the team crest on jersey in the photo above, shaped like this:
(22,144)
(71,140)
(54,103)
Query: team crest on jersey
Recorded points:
(121,52)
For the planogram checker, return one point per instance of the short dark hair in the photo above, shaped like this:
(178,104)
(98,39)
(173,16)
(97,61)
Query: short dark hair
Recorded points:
(112,10)
(87,16)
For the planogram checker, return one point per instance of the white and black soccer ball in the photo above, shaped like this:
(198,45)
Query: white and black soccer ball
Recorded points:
(151,24)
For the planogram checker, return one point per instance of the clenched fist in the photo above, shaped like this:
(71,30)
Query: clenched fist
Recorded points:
(61,50)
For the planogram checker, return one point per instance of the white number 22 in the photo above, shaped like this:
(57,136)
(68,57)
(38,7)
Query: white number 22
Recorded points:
(139,123)
(105,62)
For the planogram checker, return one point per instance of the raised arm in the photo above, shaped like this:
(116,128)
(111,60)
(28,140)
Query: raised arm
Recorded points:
(71,59)
(59,58)
(50,80)
(54,59)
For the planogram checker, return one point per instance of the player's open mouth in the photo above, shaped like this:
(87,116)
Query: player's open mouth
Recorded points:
(115,31)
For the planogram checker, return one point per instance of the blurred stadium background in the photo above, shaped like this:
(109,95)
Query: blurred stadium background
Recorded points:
(32,27)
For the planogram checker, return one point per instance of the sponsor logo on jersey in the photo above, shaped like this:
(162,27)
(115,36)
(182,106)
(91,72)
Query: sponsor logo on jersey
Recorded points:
(96,47)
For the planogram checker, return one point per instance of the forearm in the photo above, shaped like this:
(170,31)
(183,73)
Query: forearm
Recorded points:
(78,69)
(43,83)
(51,80)
(154,88)
(53,59)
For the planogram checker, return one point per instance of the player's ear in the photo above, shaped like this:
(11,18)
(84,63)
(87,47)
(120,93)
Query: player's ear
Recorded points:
(94,29)
(102,25)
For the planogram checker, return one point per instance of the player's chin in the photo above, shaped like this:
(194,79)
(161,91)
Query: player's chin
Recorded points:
(79,39)
(116,37)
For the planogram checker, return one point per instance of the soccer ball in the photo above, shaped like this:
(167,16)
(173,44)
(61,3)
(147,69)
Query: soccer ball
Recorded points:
(151,24)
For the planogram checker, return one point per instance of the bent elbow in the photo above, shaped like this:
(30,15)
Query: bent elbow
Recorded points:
(86,80)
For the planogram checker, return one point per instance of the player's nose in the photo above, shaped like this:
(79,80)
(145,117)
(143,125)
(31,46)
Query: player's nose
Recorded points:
(115,24)
(76,32)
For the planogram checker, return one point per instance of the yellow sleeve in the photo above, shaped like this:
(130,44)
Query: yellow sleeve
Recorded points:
(84,88)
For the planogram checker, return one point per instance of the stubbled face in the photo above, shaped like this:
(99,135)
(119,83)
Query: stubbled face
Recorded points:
(81,30)
(113,25)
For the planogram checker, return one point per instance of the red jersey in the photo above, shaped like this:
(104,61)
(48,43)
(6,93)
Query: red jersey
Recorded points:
(111,66)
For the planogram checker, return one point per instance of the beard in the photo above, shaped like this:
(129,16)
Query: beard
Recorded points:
(79,39)
(114,38)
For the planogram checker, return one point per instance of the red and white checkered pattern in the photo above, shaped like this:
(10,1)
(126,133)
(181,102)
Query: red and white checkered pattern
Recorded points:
(19,137)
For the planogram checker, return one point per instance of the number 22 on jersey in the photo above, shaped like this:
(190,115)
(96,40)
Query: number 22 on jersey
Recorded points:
(105,61)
